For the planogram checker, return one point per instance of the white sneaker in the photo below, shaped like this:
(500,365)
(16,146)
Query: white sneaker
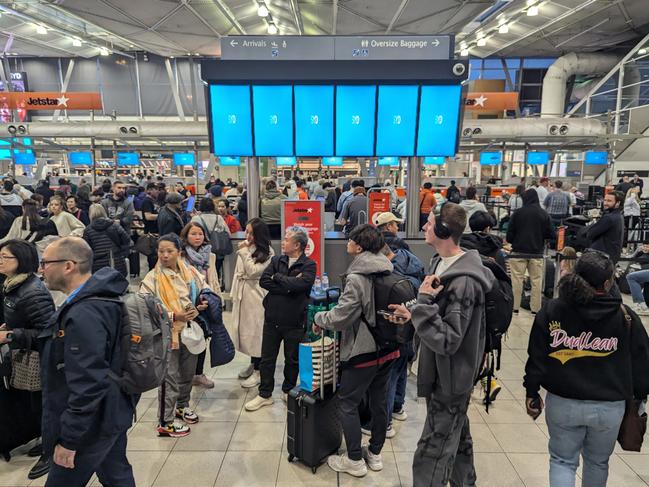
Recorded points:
(642,309)
(247,372)
(258,403)
(285,398)
(342,463)
(375,462)
(400,415)
(390,432)
(253,381)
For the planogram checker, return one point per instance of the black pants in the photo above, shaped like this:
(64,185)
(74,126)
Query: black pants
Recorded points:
(354,383)
(106,456)
(152,260)
(275,230)
(272,339)
(200,363)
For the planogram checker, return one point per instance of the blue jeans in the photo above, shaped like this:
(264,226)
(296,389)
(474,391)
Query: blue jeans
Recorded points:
(636,281)
(398,380)
(576,427)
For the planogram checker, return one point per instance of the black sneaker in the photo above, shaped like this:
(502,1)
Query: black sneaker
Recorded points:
(41,468)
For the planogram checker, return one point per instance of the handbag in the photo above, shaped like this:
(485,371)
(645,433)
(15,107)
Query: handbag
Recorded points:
(25,370)
(318,362)
(219,239)
(146,243)
(633,426)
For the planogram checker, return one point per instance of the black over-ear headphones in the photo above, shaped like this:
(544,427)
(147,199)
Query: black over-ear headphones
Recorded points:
(441,229)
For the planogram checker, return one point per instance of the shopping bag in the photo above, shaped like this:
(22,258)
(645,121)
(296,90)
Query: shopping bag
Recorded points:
(317,363)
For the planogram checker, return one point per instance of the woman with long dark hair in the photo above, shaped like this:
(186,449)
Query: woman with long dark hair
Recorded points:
(30,226)
(253,257)
(591,353)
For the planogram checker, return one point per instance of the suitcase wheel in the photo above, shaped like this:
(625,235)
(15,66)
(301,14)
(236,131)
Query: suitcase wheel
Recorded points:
(291,457)
(314,470)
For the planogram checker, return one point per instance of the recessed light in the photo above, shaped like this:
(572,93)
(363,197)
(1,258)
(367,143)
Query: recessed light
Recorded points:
(76,42)
(642,51)
(533,11)
(103,51)
(503,29)
(272,29)
(464,52)
(262,11)
(41,30)
(482,42)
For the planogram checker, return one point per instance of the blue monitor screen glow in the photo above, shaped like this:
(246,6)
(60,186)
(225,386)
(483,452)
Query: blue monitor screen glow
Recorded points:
(491,158)
(434,160)
(273,120)
(596,158)
(388,161)
(355,117)
(285,161)
(332,161)
(314,120)
(25,158)
(231,120)
(439,114)
(5,153)
(396,121)
(184,159)
(83,158)
(128,159)
(229,161)
(538,158)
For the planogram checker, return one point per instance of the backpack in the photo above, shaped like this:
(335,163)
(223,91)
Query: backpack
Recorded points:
(145,339)
(453,196)
(389,289)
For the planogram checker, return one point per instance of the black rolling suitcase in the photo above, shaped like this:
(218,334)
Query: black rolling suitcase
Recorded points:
(313,423)
(134,263)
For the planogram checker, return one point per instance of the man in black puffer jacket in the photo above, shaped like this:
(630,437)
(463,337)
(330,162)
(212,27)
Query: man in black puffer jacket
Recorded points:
(607,235)
(288,279)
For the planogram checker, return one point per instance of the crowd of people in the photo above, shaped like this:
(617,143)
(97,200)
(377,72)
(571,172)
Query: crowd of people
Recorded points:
(66,256)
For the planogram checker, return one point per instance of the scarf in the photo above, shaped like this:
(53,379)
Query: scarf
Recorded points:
(14,281)
(199,258)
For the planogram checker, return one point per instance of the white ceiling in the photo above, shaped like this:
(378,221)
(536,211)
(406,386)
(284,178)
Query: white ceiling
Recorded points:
(182,27)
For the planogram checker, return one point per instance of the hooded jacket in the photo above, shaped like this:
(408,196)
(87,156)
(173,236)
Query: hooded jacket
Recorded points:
(471,206)
(452,328)
(408,265)
(120,209)
(356,299)
(271,207)
(80,401)
(607,234)
(486,244)
(582,351)
(105,237)
(529,226)
(394,241)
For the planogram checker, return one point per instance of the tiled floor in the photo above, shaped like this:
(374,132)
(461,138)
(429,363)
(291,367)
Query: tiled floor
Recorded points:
(231,447)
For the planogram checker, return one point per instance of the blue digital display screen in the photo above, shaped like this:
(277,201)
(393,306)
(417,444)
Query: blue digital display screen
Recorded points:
(184,159)
(355,120)
(5,153)
(332,161)
(388,161)
(596,157)
(491,158)
(396,121)
(538,158)
(273,120)
(80,158)
(314,120)
(128,159)
(439,114)
(229,161)
(231,120)
(25,158)
(285,161)
(434,160)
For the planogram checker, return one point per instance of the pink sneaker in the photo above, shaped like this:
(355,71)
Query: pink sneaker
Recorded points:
(203,381)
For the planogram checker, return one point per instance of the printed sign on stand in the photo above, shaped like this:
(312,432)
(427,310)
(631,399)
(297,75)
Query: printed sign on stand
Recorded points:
(309,215)
(378,203)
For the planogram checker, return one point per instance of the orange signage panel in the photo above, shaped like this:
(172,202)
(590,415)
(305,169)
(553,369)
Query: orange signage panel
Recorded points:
(50,100)
(495,101)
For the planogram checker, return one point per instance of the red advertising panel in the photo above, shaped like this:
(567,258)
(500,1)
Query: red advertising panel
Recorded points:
(309,215)
(378,203)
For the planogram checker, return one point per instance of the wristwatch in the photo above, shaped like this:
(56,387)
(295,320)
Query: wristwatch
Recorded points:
(10,336)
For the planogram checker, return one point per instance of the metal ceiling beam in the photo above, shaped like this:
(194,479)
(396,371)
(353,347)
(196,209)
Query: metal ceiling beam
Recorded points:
(295,9)
(362,17)
(425,17)
(38,43)
(225,10)
(201,19)
(585,31)
(396,16)
(334,21)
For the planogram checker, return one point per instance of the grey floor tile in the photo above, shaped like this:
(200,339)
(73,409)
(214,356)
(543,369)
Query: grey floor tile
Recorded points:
(531,468)
(520,438)
(143,437)
(495,470)
(404,467)
(294,474)
(207,436)
(198,469)
(508,412)
(249,469)
(258,437)
(219,409)
(638,463)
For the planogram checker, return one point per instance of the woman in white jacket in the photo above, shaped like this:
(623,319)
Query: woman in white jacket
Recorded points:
(66,223)
(632,212)
(253,257)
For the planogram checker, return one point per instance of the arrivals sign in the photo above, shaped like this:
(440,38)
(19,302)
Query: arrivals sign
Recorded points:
(378,202)
(309,215)
(50,100)
(496,101)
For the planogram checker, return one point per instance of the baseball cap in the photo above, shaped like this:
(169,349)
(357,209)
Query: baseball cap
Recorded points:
(193,338)
(386,217)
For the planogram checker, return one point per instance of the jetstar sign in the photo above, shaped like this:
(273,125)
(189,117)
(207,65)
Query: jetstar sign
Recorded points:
(491,101)
(45,100)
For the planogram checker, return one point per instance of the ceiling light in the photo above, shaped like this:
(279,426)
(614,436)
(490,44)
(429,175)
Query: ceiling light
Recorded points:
(262,11)
(530,2)
(41,30)
(272,29)
(463,45)
(481,42)
(642,51)
(533,11)
(503,29)
(480,34)
(103,51)
(76,42)
(464,52)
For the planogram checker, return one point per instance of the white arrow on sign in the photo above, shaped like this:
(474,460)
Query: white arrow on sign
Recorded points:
(234,43)
(435,42)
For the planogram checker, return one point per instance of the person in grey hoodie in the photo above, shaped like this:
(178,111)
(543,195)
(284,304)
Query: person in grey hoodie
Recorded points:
(471,205)
(270,209)
(364,368)
(449,319)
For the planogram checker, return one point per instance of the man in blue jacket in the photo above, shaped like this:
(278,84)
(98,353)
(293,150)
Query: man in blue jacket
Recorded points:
(85,414)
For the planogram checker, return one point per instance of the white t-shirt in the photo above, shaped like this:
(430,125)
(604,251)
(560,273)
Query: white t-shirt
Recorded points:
(291,261)
(445,263)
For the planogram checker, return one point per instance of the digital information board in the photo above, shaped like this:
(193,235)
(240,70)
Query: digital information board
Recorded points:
(285,161)
(128,159)
(434,160)
(24,158)
(439,118)
(388,161)
(596,158)
(396,120)
(229,161)
(184,159)
(314,120)
(538,158)
(355,117)
(231,120)
(332,161)
(273,120)
(491,158)
(81,158)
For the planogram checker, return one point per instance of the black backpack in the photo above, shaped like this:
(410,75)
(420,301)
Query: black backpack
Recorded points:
(453,195)
(391,288)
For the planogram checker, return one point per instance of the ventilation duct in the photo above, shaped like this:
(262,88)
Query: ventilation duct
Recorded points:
(112,130)
(525,128)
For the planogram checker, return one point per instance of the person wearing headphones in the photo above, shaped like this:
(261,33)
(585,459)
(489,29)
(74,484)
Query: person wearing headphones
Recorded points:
(449,318)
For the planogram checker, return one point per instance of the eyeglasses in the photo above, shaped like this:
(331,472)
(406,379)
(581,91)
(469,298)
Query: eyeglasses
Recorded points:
(3,257)
(44,263)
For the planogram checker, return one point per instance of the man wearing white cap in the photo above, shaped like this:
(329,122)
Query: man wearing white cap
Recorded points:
(388,225)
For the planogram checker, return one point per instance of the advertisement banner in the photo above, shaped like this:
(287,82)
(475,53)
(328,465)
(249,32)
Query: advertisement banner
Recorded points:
(309,215)
(378,203)
(50,100)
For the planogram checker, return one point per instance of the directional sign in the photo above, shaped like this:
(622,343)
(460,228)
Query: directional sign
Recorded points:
(330,48)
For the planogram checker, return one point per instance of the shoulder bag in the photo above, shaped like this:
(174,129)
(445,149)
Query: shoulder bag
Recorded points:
(219,239)
(25,369)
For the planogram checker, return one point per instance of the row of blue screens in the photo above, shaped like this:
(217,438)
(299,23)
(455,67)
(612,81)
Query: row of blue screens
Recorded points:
(84,158)
(494,158)
(320,120)
(22,157)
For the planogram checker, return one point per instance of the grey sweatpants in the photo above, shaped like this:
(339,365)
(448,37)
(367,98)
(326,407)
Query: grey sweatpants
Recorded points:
(178,384)
(445,450)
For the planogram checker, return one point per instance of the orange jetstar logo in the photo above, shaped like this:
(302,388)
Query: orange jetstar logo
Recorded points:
(46,100)
(491,101)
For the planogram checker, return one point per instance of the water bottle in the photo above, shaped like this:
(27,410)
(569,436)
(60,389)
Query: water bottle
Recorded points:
(325,281)
(317,286)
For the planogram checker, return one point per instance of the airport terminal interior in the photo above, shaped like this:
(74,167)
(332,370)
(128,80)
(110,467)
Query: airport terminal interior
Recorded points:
(317,99)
